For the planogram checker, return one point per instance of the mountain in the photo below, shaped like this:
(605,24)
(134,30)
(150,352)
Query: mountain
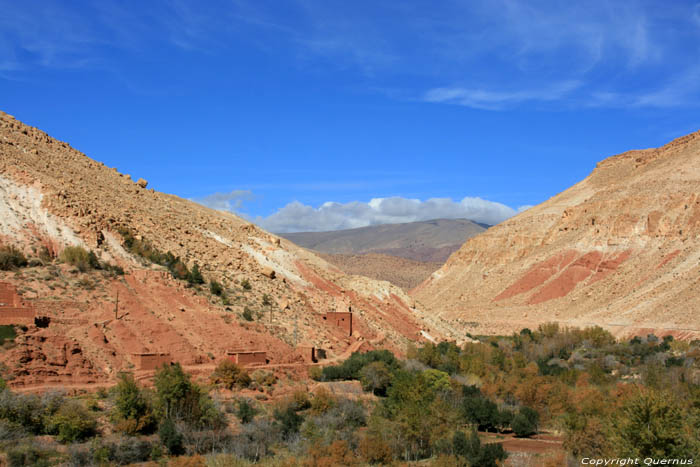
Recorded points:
(402,272)
(620,249)
(425,241)
(94,322)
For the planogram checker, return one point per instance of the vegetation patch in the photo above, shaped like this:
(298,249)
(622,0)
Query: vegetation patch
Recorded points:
(11,258)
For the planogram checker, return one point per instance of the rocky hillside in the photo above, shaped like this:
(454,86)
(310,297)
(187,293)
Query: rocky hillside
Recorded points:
(425,241)
(620,249)
(402,272)
(52,196)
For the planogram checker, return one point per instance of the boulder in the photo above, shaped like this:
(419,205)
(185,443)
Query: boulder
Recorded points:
(268,272)
(142,183)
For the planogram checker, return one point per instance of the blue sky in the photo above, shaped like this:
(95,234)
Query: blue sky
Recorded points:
(314,115)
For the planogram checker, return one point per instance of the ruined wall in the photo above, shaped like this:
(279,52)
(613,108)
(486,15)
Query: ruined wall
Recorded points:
(151,361)
(12,310)
(245,358)
(307,353)
(343,320)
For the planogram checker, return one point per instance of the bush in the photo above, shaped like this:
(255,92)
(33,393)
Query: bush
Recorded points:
(73,422)
(350,368)
(11,258)
(132,411)
(216,288)
(171,437)
(178,398)
(230,375)
(323,401)
(247,314)
(471,449)
(80,258)
(255,440)
(246,284)
(525,422)
(141,247)
(29,412)
(375,377)
(245,411)
(289,420)
(375,450)
(195,276)
(30,455)
(122,451)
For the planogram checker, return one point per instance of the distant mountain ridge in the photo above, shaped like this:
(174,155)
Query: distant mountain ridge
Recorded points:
(426,241)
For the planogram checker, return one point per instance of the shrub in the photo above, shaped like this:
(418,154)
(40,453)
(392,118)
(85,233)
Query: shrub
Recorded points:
(230,375)
(30,455)
(266,300)
(470,448)
(246,284)
(245,411)
(73,422)
(375,450)
(289,420)
(80,258)
(7,333)
(171,437)
(121,451)
(195,276)
(525,422)
(350,368)
(178,398)
(216,288)
(255,440)
(11,258)
(323,401)
(141,247)
(247,314)
(132,411)
(375,377)
(264,377)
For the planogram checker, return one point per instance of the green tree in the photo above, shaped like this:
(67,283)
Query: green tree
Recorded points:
(525,422)
(651,424)
(132,412)
(375,377)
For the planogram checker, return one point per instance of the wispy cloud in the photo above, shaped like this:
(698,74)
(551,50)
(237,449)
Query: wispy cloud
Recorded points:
(486,55)
(496,100)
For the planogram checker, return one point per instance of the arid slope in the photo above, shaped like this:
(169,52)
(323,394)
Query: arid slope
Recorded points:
(402,272)
(619,249)
(53,196)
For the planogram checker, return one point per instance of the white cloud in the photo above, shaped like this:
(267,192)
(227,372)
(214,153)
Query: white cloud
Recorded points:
(298,217)
(232,201)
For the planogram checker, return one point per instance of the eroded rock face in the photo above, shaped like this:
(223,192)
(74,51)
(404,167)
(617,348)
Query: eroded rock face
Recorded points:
(620,249)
